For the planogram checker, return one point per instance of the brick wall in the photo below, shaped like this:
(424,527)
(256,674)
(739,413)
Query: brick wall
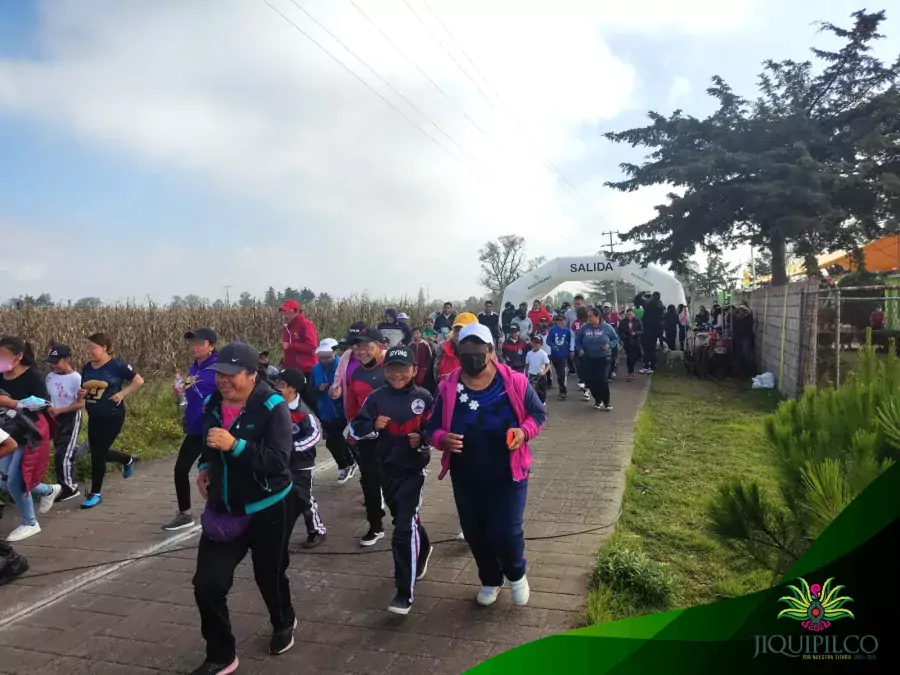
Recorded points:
(785,330)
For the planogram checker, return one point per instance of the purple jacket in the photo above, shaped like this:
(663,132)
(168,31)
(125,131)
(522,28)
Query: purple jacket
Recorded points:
(200,383)
(525,403)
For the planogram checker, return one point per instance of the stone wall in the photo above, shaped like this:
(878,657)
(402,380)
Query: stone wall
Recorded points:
(785,330)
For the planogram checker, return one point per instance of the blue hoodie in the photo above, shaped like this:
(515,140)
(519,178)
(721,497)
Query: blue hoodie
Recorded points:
(561,341)
(200,383)
(592,339)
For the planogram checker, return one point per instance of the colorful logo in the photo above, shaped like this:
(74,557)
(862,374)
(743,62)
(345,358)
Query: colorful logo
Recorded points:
(816,607)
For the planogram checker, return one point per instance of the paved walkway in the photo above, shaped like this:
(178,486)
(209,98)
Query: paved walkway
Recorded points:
(139,617)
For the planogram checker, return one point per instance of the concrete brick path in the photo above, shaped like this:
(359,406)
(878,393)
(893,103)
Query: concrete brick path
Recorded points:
(139,618)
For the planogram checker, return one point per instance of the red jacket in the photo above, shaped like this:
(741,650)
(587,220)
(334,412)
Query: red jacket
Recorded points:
(35,460)
(422,350)
(537,314)
(449,360)
(302,341)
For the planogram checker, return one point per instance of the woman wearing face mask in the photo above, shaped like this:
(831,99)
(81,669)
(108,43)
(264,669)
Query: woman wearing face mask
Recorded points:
(200,383)
(484,417)
(246,481)
(105,382)
(23,468)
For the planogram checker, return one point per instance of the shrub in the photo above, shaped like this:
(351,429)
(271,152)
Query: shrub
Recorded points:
(628,572)
(829,445)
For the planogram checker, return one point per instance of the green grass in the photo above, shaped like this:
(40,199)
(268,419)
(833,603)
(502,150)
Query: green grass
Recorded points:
(691,437)
(152,429)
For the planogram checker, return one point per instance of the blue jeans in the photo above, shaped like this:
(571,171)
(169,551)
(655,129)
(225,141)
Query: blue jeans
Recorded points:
(11,480)
(491,516)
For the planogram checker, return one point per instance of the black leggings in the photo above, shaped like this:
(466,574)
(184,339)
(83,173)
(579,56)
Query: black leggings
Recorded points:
(102,433)
(190,451)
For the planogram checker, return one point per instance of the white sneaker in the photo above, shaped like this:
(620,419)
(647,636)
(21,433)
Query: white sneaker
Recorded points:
(587,396)
(581,385)
(47,502)
(23,532)
(521,591)
(487,596)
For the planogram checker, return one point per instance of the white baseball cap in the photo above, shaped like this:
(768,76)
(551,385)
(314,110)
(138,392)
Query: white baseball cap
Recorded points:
(477,330)
(331,343)
(402,315)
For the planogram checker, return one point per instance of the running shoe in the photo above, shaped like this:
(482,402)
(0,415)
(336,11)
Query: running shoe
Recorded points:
(282,640)
(67,494)
(23,532)
(599,406)
(343,476)
(213,668)
(91,501)
(128,469)
(521,591)
(400,606)
(645,371)
(487,596)
(47,502)
(371,537)
(562,397)
(587,396)
(179,522)
(582,386)
(313,540)
(609,408)
(423,565)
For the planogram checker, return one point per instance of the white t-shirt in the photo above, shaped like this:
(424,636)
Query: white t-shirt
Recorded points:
(63,388)
(3,435)
(536,360)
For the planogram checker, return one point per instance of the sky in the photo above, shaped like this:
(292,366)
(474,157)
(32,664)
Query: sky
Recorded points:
(151,149)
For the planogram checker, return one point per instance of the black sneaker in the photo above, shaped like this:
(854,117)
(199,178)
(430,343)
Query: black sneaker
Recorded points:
(12,567)
(213,668)
(67,494)
(371,537)
(282,640)
(313,540)
(179,522)
(400,606)
(423,564)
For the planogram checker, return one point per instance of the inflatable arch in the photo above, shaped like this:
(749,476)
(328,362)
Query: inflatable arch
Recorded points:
(543,280)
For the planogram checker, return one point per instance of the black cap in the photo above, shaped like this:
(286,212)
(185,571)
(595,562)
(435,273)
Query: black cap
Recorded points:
(264,353)
(538,339)
(364,334)
(354,330)
(235,357)
(207,334)
(399,354)
(58,352)
(292,377)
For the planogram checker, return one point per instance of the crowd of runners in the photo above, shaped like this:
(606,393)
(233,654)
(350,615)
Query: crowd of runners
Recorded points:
(383,397)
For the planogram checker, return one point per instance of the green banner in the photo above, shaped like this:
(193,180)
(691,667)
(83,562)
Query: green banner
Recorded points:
(835,611)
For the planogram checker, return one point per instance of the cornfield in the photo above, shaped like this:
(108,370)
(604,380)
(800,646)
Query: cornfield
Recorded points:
(152,339)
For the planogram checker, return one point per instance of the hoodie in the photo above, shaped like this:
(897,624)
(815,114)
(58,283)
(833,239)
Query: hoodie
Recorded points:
(526,327)
(200,383)
(506,317)
(596,341)
(393,330)
(535,315)
(561,341)
(302,341)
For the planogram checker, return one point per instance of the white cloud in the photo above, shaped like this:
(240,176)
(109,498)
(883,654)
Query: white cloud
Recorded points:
(228,91)
(681,87)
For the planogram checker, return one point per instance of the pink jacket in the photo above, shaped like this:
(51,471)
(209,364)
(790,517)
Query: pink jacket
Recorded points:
(516,387)
(35,460)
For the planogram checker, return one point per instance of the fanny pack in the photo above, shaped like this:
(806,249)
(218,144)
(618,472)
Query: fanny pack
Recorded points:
(223,527)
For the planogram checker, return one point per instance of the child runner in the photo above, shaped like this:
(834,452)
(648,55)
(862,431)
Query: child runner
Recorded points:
(562,345)
(63,383)
(514,350)
(289,383)
(538,365)
(331,413)
(393,419)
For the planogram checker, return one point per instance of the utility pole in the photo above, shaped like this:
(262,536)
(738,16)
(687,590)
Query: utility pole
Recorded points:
(612,250)
(227,296)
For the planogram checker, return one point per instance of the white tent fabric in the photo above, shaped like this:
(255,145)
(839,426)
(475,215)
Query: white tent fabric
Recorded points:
(544,279)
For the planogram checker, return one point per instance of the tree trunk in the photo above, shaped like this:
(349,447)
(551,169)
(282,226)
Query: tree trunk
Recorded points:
(779,260)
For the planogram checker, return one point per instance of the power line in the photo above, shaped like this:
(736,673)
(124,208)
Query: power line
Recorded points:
(362,81)
(416,66)
(380,77)
(548,164)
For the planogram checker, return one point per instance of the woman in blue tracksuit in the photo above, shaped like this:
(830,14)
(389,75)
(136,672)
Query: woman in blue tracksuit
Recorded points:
(594,343)
(200,383)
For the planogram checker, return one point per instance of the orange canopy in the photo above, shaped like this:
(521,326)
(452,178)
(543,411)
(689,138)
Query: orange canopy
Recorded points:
(881,255)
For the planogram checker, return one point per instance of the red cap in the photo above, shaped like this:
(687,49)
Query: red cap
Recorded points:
(290,306)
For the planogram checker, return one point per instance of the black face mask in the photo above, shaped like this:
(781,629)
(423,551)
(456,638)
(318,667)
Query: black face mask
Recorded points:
(473,364)
(521,313)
